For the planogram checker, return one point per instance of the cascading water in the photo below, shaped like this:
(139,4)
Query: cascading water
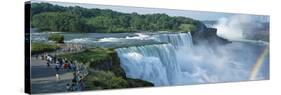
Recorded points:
(177,40)
(154,63)
(179,62)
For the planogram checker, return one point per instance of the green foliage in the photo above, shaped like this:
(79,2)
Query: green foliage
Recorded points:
(58,38)
(108,80)
(37,8)
(90,57)
(48,17)
(108,76)
(187,27)
(42,47)
(104,80)
(107,24)
(138,83)
(59,21)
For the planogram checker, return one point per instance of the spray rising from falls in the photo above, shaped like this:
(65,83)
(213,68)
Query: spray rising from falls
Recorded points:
(241,27)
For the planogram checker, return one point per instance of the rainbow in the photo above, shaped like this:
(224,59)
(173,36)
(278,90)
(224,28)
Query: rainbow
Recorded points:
(260,60)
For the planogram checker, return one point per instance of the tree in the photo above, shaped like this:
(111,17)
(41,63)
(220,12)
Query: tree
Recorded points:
(59,21)
(187,27)
(42,47)
(77,19)
(37,8)
(56,37)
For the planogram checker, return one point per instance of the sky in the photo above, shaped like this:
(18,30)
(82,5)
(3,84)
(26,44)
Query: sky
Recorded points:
(199,15)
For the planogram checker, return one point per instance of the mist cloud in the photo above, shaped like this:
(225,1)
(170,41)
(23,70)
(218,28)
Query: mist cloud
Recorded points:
(240,27)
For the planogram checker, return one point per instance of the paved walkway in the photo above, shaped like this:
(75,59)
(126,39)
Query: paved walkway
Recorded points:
(43,79)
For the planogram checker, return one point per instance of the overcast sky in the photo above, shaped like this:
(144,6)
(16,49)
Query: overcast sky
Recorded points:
(199,15)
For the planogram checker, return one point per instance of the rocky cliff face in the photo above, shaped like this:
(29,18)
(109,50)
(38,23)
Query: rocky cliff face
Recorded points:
(105,71)
(112,64)
(207,36)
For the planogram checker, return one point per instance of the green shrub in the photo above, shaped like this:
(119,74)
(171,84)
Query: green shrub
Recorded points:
(104,80)
(110,75)
(58,38)
(138,83)
(187,27)
(108,80)
(90,56)
(42,47)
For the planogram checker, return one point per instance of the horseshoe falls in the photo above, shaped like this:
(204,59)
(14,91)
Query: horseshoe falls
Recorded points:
(179,62)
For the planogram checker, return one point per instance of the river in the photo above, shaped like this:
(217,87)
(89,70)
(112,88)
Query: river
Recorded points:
(177,61)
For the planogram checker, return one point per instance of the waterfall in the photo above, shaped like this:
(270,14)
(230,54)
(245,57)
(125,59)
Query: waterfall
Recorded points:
(178,40)
(154,63)
(179,62)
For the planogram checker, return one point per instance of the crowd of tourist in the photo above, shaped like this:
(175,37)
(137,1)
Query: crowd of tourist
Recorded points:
(72,47)
(63,65)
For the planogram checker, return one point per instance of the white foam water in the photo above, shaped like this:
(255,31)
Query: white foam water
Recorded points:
(179,62)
